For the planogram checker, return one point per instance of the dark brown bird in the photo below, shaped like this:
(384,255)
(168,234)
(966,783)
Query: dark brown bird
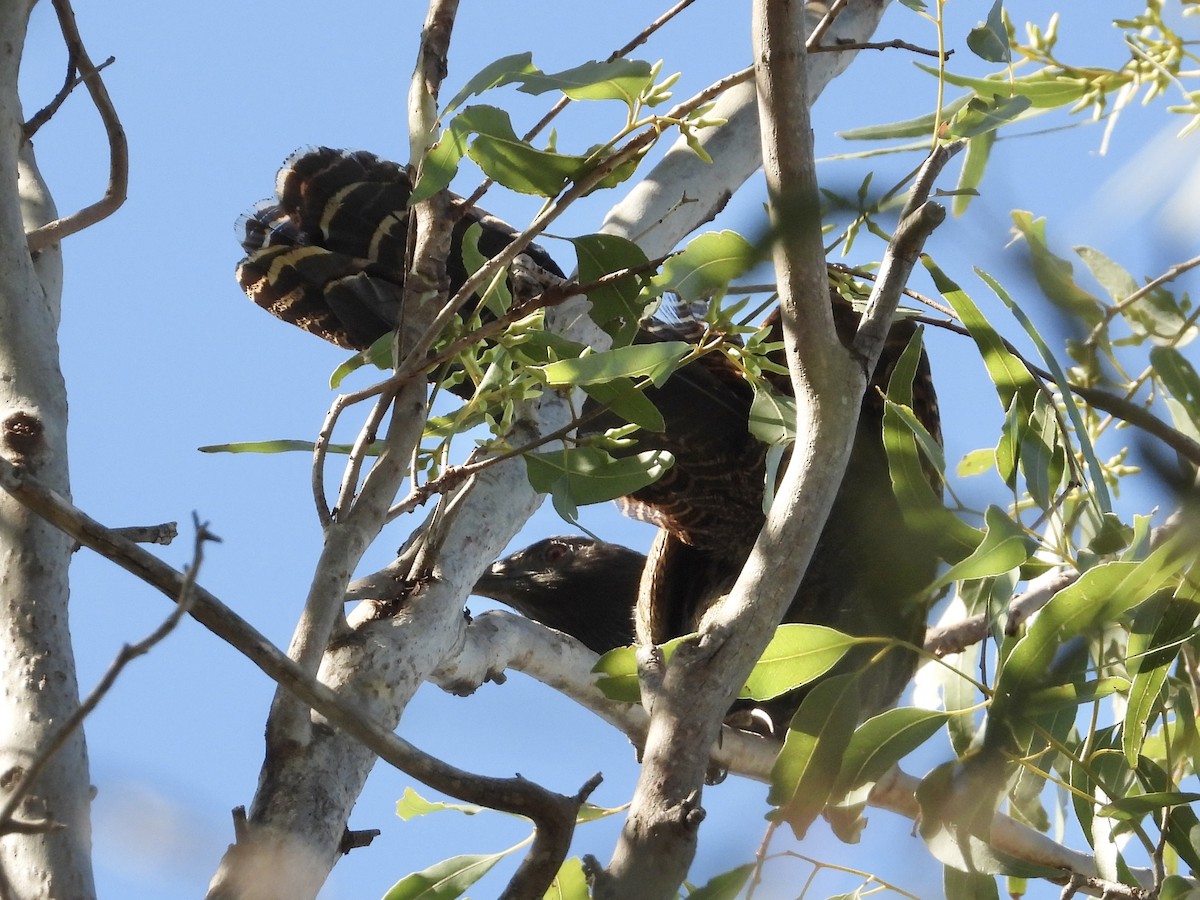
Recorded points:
(329,258)
(328,255)
(868,570)
(579,586)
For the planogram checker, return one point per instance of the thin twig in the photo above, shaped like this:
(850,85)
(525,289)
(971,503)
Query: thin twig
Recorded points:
(46,113)
(118,147)
(553,814)
(128,653)
(827,20)
(895,44)
(1123,409)
(1170,275)
(564,101)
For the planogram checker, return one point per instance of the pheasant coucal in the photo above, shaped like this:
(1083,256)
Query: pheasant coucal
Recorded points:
(328,257)
(868,571)
(328,254)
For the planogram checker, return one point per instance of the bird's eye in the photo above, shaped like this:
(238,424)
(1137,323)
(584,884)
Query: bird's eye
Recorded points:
(556,552)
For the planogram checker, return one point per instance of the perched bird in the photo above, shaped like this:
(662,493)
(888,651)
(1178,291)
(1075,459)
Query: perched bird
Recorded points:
(868,570)
(328,254)
(577,585)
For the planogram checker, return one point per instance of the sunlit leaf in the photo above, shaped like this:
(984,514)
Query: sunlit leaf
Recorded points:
(807,766)
(923,509)
(654,361)
(626,401)
(920,127)
(617,79)
(958,801)
(412,805)
(707,264)
(1099,488)
(444,880)
(796,655)
(502,71)
(1047,88)
(772,416)
(578,476)
(882,741)
(615,307)
(570,883)
(1005,547)
(1155,642)
(619,672)
(982,116)
(1008,373)
(282,446)
(379,355)
(979,150)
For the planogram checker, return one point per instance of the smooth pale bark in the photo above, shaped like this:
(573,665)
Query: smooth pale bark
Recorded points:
(36,662)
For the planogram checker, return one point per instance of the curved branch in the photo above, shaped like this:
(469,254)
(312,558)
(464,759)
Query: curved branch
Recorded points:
(118,146)
(553,814)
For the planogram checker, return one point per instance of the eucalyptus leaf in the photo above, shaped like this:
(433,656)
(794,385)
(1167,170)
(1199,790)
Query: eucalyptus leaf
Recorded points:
(796,655)
(707,265)
(445,880)
(654,361)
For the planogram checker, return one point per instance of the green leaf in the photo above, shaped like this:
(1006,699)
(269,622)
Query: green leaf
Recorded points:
(503,71)
(619,303)
(958,801)
(496,294)
(1055,276)
(920,127)
(282,446)
(969,885)
(923,509)
(1179,377)
(726,886)
(884,740)
(497,150)
(514,163)
(1099,489)
(772,416)
(807,766)
(796,655)
(976,462)
(1159,627)
(979,150)
(1008,373)
(1037,445)
(1099,596)
(412,805)
(444,880)
(379,355)
(989,40)
(654,361)
(1047,88)
(1131,808)
(570,883)
(706,265)
(578,476)
(983,116)
(632,405)
(619,79)
(1005,547)
(619,672)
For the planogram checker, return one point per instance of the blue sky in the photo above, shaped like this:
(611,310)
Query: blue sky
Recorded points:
(163,354)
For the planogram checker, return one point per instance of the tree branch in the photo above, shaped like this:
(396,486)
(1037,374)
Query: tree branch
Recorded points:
(553,813)
(118,147)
